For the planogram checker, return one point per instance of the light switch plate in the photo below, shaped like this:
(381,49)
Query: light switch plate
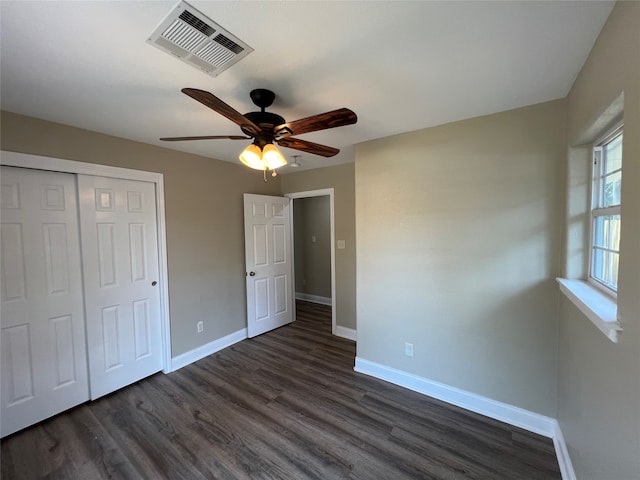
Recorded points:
(408,349)
(341,244)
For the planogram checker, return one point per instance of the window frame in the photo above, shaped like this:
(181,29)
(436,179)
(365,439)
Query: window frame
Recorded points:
(597,210)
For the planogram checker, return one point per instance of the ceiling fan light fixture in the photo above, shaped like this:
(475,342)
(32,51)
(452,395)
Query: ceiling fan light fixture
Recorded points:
(265,158)
(271,157)
(252,157)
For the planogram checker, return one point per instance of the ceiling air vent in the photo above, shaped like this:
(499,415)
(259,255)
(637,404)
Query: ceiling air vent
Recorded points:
(197,40)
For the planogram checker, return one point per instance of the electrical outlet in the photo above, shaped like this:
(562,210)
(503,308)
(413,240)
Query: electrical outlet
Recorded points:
(200,326)
(408,349)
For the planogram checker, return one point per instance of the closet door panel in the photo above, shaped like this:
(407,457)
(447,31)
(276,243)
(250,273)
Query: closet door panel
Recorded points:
(120,257)
(44,361)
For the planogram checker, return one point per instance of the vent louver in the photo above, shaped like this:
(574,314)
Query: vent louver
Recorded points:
(197,40)
(196,23)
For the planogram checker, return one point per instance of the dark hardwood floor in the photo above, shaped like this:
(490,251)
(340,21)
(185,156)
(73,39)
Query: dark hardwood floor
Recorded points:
(285,405)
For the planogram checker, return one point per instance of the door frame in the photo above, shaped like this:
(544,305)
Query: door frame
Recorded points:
(319,193)
(36,162)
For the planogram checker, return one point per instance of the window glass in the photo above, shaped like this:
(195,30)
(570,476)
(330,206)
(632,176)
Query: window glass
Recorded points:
(613,155)
(607,232)
(605,267)
(607,179)
(611,189)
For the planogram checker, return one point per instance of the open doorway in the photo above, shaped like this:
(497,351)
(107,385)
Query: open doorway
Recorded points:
(314,249)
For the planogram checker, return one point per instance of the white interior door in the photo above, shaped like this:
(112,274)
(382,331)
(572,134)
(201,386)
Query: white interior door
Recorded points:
(120,258)
(44,366)
(269,263)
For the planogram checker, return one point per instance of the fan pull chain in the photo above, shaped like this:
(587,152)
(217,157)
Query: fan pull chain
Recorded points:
(264,174)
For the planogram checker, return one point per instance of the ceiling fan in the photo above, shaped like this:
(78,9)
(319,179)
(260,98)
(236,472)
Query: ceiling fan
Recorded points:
(265,128)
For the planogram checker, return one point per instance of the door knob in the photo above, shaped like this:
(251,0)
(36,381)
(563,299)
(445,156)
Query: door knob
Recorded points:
(154,283)
(252,274)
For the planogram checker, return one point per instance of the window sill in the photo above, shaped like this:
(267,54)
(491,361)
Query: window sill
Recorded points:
(596,306)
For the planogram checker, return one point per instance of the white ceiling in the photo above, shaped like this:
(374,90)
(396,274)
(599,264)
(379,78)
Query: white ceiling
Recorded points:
(401,66)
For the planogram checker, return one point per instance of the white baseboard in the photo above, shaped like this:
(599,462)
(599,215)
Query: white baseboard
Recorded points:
(307,297)
(205,350)
(504,412)
(344,332)
(564,461)
(516,416)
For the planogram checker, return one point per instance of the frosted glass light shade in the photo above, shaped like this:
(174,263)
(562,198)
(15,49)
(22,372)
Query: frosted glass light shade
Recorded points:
(252,157)
(271,157)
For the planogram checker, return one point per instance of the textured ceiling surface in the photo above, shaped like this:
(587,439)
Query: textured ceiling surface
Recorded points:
(401,66)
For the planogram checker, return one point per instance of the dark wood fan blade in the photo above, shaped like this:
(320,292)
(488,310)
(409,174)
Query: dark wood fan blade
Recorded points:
(307,146)
(322,121)
(206,137)
(214,103)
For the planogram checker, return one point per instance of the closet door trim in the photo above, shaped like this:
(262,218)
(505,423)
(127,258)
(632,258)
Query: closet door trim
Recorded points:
(36,162)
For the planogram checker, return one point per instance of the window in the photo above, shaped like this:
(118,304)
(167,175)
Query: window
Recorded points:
(605,211)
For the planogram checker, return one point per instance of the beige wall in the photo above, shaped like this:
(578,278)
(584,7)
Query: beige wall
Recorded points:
(599,381)
(312,236)
(203,199)
(341,179)
(458,238)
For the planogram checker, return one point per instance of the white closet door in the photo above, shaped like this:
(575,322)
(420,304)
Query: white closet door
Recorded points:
(120,258)
(44,366)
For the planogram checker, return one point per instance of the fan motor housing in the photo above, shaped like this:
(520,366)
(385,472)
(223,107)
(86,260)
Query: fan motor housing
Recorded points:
(265,120)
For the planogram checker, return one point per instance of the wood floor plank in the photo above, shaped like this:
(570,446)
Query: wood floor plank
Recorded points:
(283,405)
